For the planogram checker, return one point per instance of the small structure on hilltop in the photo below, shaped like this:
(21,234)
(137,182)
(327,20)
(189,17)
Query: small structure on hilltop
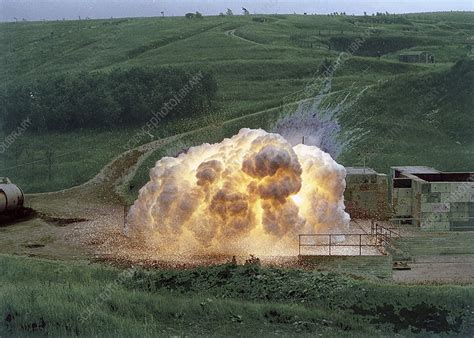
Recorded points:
(366,193)
(417,57)
(259,19)
(433,200)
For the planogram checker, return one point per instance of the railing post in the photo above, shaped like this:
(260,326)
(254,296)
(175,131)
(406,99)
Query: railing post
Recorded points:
(330,245)
(124,215)
(299,245)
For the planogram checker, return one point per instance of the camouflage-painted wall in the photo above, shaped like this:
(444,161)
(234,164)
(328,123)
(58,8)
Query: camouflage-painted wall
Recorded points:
(366,196)
(436,206)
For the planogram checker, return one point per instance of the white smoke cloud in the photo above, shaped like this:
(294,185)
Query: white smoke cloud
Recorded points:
(317,120)
(253,193)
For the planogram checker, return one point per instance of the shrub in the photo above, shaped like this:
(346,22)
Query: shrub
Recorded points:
(101,100)
(374,46)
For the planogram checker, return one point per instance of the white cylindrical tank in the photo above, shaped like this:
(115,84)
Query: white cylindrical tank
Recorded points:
(11,196)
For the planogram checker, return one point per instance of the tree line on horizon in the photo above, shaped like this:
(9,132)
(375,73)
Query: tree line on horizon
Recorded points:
(117,98)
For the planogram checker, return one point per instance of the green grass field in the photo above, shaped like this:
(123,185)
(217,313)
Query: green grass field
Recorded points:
(260,70)
(63,299)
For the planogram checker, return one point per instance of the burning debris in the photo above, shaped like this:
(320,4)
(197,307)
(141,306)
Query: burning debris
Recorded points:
(252,193)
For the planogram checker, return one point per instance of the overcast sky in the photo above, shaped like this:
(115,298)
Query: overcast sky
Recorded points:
(72,9)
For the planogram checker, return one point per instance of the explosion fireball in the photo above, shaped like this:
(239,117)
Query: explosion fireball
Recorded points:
(250,194)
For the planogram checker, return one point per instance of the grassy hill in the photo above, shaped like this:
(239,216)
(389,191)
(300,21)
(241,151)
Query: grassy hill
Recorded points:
(416,119)
(257,61)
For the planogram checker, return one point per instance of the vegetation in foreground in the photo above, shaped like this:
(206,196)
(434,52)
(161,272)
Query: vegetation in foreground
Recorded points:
(62,299)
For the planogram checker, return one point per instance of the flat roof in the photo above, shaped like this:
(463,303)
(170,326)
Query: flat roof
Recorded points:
(428,174)
(416,170)
(360,171)
(447,177)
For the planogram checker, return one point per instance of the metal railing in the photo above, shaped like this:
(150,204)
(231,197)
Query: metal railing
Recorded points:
(336,241)
(383,232)
(377,239)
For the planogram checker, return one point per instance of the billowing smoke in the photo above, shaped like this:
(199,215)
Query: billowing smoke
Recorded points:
(250,194)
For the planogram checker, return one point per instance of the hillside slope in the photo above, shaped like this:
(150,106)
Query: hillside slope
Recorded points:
(422,119)
(266,62)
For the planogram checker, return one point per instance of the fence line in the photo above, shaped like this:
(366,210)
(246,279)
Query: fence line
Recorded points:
(378,238)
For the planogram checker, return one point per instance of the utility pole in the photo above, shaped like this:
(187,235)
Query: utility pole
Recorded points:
(124,214)
(49,157)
